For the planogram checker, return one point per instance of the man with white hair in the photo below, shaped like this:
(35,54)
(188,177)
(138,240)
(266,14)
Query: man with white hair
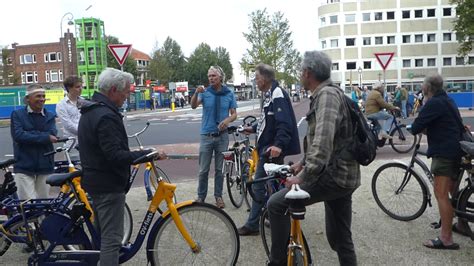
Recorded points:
(374,109)
(219,110)
(106,158)
(33,130)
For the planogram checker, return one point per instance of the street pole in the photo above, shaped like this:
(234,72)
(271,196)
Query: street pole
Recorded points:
(70,18)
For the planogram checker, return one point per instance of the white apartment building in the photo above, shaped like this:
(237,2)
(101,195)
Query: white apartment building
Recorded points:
(418,32)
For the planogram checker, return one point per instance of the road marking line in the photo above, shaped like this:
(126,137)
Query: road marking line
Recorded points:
(301,121)
(168,119)
(155,124)
(8,155)
(193,122)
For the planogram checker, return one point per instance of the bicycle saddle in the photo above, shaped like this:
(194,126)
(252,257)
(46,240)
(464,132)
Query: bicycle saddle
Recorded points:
(273,168)
(296,193)
(467,147)
(57,180)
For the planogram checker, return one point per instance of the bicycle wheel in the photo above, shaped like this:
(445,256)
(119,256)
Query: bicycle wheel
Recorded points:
(17,228)
(245,177)
(466,205)
(401,198)
(265,232)
(210,227)
(154,183)
(402,141)
(234,183)
(297,257)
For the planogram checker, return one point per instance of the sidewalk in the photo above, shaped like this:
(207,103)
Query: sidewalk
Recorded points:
(378,239)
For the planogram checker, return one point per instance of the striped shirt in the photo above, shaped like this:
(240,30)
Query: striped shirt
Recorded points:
(329,128)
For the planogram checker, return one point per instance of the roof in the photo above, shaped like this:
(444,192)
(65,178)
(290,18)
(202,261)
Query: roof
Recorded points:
(139,55)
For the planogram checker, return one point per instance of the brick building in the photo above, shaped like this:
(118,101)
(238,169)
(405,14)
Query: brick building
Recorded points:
(143,61)
(46,64)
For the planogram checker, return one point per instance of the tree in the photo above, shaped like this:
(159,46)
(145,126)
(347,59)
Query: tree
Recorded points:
(168,62)
(198,64)
(6,69)
(128,66)
(270,43)
(464,25)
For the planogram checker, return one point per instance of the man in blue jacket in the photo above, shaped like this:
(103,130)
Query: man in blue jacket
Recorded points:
(33,131)
(277,137)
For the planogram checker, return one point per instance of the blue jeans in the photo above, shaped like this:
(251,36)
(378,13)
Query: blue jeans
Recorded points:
(382,115)
(258,190)
(208,146)
(404,108)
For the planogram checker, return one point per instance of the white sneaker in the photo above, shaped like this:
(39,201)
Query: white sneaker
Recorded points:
(384,135)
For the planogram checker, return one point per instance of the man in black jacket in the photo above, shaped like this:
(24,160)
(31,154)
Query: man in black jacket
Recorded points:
(106,158)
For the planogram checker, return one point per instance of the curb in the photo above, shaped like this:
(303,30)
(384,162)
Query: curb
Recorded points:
(183,156)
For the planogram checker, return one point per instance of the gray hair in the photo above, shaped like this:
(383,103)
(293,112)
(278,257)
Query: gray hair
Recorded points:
(434,83)
(377,85)
(112,77)
(219,71)
(318,64)
(266,71)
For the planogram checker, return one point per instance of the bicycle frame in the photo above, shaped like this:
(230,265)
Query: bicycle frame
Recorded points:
(296,241)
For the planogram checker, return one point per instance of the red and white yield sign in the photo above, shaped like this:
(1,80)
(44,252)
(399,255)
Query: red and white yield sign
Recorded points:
(120,51)
(384,59)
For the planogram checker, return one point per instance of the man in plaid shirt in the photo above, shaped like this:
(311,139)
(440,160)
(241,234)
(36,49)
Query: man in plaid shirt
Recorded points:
(322,172)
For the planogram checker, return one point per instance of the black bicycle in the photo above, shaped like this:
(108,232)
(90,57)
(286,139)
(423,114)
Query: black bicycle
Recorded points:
(401,140)
(403,194)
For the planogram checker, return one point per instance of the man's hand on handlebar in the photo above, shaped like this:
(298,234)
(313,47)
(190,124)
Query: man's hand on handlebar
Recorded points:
(296,167)
(293,180)
(160,154)
(246,130)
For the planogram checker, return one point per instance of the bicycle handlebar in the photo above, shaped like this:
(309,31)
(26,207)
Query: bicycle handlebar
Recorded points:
(63,148)
(140,132)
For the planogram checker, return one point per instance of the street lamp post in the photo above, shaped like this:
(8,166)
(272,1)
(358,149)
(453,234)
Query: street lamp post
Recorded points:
(360,76)
(70,22)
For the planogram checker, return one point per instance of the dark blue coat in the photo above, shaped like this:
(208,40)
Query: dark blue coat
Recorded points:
(438,117)
(31,141)
(280,124)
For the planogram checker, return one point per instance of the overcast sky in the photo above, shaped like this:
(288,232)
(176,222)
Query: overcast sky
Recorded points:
(144,23)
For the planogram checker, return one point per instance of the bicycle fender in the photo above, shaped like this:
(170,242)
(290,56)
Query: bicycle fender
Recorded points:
(159,222)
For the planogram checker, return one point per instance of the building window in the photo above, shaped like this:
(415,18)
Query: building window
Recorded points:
(406,63)
(365,16)
(378,40)
(29,77)
(60,75)
(406,14)
(59,56)
(351,65)
(406,38)
(323,21)
(470,60)
(418,62)
(431,12)
(446,61)
(54,75)
(378,16)
(390,15)
(350,41)
(459,61)
(367,65)
(447,12)
(323,44)
(46,74)
(51,57)
(431,62)
(335,66)
(91,56)
(390,39)
(333,19)
(27,59)
(418,37)
(431,37)
(350,18)
(419,13)
(366,41)
(447,36)
(334,43)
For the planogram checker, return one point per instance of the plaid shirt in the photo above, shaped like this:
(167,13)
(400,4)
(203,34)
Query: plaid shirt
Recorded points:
(329,128)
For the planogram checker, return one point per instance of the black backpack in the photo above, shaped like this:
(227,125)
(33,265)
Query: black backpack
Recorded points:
(363,148)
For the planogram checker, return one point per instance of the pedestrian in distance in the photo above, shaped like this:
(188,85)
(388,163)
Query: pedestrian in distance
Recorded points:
(219,110)
(322,172)
(67,109)
(33,131)
(440,120)
(374,109)
(106,158)
(277,137)
(404,99)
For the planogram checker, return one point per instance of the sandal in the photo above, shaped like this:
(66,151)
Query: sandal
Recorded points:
(459,231)
(438,244)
